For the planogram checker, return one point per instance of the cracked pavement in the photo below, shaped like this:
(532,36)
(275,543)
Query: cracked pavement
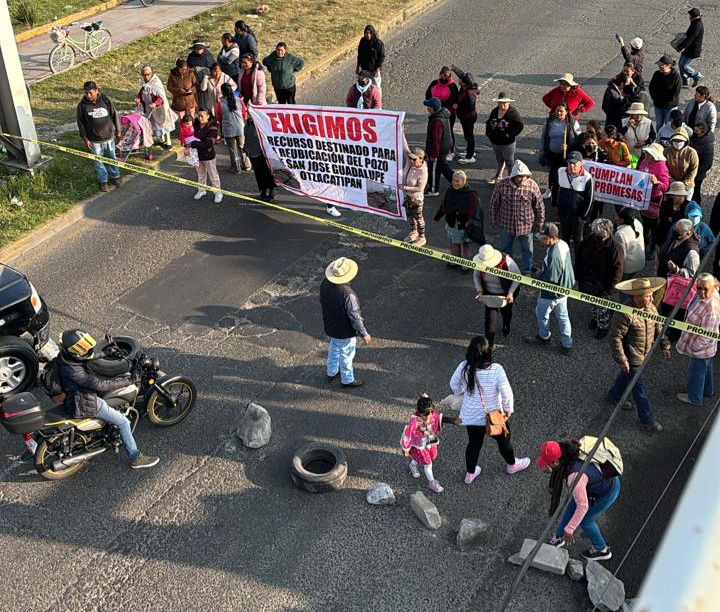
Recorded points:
(227,294)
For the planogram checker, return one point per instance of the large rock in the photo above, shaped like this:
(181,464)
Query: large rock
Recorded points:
(380,495)
(255,428)
(575,569)
(425,510)
(472,533)
(606,592)
(516,559)
(549,558)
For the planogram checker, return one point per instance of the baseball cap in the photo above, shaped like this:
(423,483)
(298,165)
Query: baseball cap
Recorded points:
(574,157)
(433,103)
(89,85)
(549,452)
(550,229)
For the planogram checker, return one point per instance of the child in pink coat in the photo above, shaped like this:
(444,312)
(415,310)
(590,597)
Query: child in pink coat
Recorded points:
(420,439)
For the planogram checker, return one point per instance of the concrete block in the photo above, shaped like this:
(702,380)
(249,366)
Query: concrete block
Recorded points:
(516,559)
(425,510)
(255,427)
(606,592)
(548,559)
(575,569)
(472,533)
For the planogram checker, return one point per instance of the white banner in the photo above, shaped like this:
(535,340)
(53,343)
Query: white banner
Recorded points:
(618,185)
(342,156)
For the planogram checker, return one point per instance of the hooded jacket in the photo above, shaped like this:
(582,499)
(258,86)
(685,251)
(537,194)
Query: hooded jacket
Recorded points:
(692,45)
(372,98)
(97,121)
(702,230)
(664,89)
(439,134)
(682,164)
(81,386)
(370,53)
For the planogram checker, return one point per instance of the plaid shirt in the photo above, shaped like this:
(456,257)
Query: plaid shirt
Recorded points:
(703,313)
(516,209)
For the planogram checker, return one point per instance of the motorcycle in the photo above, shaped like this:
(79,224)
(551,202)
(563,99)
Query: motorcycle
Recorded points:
(65,443)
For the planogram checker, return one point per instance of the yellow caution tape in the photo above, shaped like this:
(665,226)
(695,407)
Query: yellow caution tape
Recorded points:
(460,261)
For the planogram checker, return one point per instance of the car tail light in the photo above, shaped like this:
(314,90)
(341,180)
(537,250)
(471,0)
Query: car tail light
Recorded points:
(35,299)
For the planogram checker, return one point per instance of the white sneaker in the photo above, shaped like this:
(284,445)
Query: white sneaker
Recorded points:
(465,160)
(432,194)
(547,194)
(333,212)
(414,470)
(450,156)
(201,193)
(218,198)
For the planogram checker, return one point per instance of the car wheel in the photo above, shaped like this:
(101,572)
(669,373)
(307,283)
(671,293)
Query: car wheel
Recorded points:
(319,468)
(18,366)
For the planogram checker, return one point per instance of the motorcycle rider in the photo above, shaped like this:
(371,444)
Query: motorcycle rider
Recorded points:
(81,387)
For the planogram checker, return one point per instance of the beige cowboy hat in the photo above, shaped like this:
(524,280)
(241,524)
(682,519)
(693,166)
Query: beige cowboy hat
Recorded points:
(341,271)
(503,97)
(636,108)
(656,151)
(641,286)
(567,78)
(677,188)
(488,256)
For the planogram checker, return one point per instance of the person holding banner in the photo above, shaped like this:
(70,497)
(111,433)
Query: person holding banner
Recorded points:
(458,206)
(415,177)
(653,163)
(259,163)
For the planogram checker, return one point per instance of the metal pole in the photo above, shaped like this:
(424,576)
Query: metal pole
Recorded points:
(15,112)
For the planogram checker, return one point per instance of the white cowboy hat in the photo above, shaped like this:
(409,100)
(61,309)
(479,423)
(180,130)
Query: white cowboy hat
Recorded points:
(641,286)
(636,108)
(656,151)
(567,78)
(503,97)
(341,271)
(488,256)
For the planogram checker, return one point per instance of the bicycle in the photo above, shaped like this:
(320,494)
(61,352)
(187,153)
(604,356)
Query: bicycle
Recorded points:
(97,41)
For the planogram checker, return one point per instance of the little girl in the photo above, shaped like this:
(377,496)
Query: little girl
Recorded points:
(187,135)
(420,439)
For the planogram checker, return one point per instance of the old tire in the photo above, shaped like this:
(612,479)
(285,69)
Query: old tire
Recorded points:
(319,468)
(110,368)
(18,366)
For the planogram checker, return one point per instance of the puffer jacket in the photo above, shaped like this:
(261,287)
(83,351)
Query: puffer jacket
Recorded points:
(632,336)
(682,164)
(81,386)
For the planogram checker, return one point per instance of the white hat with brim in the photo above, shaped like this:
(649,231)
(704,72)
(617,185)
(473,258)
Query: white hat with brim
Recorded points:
(567,78)
(488,256)
(677,188)
(198,43)
(636,108)
(655,151)
(341,271)
(641,286)
(503,98)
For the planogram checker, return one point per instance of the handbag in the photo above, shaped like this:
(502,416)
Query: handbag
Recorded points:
(676,285)
(476,227)
(678,41)
(495,421)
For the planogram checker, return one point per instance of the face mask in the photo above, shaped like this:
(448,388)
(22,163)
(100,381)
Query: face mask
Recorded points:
(678,144)
(590,148)
(363,83)
(695,220)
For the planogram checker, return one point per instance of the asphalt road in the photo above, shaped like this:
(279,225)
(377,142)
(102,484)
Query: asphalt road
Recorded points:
(228,295)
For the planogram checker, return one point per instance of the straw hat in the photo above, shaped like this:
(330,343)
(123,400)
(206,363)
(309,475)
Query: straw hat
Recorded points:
(641,286)
(636,108)
(341,271)
(677,188)
(656,151)
(488,256)
(568,78)
(503,97)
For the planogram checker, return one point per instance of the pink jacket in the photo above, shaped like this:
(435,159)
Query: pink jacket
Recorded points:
(659,170)
(259,86)
(416,435)
(373,97)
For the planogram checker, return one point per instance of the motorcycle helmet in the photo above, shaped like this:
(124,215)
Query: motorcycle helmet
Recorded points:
(78,344)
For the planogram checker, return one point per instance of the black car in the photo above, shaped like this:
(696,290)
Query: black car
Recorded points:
(24,332)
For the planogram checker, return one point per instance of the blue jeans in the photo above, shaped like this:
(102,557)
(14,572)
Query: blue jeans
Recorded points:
(106,149)
(112,416)
(639,393)
(687,70)
(526,245)
(340,358)
(589,523)
(662,116)
(559,307)
(700,379)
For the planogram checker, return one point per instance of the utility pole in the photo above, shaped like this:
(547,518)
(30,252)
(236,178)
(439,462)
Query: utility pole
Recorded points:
(15,112)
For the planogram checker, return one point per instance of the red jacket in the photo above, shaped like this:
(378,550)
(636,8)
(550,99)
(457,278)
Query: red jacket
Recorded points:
(373,97)
(576,99)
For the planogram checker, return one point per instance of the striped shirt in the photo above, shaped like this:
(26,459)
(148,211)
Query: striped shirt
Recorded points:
(495,388)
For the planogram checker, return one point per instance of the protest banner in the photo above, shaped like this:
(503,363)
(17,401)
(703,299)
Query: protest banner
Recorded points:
(618,185)
(342,156)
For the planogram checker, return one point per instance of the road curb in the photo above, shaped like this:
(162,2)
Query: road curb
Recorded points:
(52,228)
(46,27)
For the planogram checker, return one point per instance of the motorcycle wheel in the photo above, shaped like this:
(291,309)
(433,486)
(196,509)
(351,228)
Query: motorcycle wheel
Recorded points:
(45,455)
(161,413)
(18,366)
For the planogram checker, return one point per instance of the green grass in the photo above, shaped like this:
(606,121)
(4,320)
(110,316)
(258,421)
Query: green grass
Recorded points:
(311,28)
(44,11)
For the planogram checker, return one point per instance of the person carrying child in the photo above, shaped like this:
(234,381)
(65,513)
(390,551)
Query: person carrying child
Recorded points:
(420,439)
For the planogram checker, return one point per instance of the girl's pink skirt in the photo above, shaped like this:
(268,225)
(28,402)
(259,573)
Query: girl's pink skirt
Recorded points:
(424,456)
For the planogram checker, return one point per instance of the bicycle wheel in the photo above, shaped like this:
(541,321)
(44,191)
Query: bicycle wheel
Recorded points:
(61,58)
(147,2)
(98,42)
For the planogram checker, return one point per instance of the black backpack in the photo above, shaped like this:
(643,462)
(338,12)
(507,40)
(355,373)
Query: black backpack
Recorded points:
(49,378)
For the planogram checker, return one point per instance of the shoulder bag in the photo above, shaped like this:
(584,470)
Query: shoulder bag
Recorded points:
(495,421)
(476,227)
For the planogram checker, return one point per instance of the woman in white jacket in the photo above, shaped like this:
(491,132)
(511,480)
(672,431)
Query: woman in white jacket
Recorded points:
(637,130)
(629,238)
(485,388)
